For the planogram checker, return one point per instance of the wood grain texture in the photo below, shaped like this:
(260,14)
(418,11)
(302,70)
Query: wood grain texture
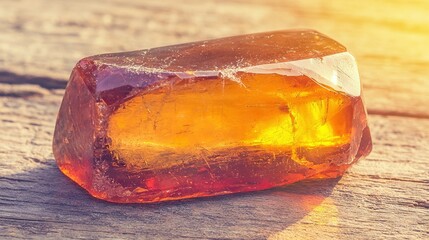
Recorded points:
(385,196)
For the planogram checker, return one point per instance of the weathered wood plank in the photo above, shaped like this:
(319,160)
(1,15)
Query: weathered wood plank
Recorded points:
(383,196)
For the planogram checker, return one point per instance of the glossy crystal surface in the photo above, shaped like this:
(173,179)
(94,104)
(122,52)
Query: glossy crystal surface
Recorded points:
(228,115)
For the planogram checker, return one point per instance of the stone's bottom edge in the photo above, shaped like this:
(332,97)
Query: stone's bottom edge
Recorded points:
(73,177)
(330,171)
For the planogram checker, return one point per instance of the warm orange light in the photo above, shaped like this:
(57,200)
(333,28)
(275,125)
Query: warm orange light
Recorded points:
(267,111)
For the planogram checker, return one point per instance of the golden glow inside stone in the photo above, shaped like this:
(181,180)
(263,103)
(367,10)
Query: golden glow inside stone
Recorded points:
(221,116)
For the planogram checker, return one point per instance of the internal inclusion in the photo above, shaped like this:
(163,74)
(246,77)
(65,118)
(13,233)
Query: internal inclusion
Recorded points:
(271,110)
(276,106)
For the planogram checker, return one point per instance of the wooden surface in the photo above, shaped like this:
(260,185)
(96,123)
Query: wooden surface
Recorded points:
(385,196)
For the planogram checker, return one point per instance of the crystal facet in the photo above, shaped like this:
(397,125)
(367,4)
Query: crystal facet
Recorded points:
(207,118)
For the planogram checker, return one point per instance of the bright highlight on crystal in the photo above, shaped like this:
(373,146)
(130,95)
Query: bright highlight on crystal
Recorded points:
(228,115)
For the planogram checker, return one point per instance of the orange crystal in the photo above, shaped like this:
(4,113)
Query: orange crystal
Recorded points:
(228,115)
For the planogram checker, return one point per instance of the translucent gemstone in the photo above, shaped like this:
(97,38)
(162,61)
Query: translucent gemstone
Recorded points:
(228,115)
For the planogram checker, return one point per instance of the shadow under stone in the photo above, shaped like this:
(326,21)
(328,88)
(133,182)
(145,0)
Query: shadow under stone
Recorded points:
(45,202)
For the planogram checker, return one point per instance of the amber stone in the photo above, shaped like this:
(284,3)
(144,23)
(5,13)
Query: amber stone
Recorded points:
(235,114)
